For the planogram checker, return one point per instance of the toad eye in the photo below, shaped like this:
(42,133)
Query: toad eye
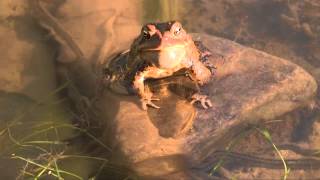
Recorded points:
(177,31)
(146,34)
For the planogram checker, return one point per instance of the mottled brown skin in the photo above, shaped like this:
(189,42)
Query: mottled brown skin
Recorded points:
(158,52)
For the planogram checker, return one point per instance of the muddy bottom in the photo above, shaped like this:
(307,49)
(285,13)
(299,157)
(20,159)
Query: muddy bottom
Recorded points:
(288,29)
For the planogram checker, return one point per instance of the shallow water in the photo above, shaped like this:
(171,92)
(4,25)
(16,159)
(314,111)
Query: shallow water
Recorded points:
(35,118)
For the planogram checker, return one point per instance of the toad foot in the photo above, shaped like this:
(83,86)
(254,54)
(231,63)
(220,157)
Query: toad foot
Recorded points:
(147,101)
(203,99)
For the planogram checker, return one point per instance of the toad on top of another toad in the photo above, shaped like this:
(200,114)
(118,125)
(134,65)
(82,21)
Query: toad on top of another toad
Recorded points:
(161,50)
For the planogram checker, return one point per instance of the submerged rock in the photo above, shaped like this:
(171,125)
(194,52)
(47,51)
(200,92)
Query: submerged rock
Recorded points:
(249,88)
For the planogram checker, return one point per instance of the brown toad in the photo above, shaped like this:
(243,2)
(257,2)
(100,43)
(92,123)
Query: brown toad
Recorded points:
(161,50)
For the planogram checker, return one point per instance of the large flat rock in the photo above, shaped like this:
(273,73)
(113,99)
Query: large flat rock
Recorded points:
(249,88)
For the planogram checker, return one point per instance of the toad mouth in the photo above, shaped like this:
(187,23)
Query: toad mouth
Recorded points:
(167,48)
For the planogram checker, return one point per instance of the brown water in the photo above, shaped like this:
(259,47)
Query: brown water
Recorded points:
(35,120)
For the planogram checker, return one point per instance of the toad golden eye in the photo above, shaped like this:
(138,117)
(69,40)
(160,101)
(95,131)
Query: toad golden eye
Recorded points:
(146,35)
(177,31)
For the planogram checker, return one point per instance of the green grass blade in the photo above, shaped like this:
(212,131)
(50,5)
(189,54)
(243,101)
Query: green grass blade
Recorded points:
(267,135)
(49,168)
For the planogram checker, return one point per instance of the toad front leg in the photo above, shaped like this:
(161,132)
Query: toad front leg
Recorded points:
(202,75)
(138,84)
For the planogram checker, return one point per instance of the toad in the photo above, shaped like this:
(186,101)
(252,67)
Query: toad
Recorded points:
(161,50)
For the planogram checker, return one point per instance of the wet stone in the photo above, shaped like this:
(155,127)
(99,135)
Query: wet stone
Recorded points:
(249,88)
